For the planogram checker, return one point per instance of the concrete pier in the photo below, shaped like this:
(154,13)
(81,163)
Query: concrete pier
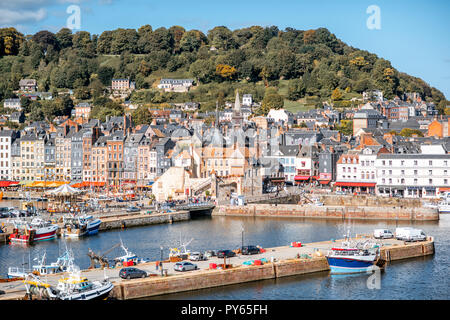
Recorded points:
(287,261)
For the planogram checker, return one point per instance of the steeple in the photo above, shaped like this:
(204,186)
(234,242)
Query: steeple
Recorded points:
(237,103)
(237,116)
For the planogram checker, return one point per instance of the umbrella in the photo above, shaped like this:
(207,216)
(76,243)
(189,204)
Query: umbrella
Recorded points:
(64,190)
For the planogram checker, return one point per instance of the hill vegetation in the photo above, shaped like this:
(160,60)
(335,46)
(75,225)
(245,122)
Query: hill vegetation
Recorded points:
(299,68)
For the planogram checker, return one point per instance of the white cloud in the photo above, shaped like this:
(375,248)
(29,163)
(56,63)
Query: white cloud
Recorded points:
(12,17)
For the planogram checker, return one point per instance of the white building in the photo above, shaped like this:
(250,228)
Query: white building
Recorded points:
(356,172)
(6,138)
(413,175)
(13,104)
(278,115)
(176,85)
(247,100)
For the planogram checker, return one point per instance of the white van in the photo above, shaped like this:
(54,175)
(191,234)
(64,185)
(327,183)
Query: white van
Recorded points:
(410,234)
(382,234)
(415,235)
(400,233)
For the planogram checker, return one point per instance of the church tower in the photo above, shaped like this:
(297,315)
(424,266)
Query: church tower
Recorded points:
(237,118)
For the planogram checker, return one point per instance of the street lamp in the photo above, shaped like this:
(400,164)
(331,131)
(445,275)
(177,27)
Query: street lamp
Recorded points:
(242,238)
(160,261)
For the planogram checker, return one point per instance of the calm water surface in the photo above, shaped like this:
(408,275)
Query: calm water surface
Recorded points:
(418,278)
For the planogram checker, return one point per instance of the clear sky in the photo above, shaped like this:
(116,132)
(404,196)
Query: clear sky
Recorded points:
(413,35)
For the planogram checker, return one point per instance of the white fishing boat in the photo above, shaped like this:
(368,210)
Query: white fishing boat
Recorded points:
(129,259)
(73,287)
(41,268)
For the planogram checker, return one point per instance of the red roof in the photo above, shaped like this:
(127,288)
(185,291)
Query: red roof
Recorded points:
(354,184)
(324,181)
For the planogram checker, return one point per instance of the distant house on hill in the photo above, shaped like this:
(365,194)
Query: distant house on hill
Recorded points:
(176,85)
(28,85)
(13,104)
(122,84)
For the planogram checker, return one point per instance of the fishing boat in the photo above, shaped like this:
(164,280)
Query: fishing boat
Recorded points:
(92,224)
(73,287)
(129,259)
(29,232)
(351,260)
(354,256)
(444,205)
(41,268)
(77,227)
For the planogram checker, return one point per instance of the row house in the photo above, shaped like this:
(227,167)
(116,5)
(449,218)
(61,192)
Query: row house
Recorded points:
(412,175)
(115,145)
(50,159)
(90,135)
(356,171)
(131,157)
(307,163)
(146,164)
(7,137)
(99,160)
(63,153)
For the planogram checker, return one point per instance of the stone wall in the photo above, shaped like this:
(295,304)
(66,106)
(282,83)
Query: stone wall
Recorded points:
(412,250)
(368,201)
(330,212)
(142,220)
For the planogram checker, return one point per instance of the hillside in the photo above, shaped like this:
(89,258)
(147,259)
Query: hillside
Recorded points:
(304,66)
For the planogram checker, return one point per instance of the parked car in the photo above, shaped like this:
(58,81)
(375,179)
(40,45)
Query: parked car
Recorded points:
(382,234)
(225,253)
(133,209)
(250,250)
(131,273)
(184,266)
(340,192)
(210,253)
(197,256)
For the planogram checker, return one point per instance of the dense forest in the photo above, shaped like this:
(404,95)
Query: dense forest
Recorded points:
(276,66)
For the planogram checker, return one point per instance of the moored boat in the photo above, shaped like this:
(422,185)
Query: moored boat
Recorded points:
(351,260)
(129,259)
(29,232)
(73,287)
(77,227)
(41,268)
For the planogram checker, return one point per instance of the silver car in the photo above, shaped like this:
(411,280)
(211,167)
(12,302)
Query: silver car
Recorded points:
(197,256)
(184,266)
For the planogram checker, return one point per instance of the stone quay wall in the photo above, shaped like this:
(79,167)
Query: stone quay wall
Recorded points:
(330,212)
(125,221)
(141,288)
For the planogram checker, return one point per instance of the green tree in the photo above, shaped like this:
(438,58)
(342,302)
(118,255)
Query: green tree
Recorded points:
(141,115)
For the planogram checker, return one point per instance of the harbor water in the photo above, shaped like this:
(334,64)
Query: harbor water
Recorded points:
(418,278)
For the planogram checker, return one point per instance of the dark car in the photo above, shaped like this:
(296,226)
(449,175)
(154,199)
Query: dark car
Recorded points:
(225,253)
(250,250)
(131,273)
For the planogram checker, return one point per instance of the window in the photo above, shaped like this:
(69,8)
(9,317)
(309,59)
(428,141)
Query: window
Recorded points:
(415,162)
(430,162)
(430,181)
(415,172)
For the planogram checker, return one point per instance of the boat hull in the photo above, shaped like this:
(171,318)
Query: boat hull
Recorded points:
(347,265)
(41,234)
(93,226)
(94,294)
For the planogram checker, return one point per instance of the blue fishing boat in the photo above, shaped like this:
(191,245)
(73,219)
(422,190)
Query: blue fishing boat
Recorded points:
(92,224)
(351,260)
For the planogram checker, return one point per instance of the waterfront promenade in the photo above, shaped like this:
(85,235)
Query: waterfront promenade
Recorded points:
(282,261)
